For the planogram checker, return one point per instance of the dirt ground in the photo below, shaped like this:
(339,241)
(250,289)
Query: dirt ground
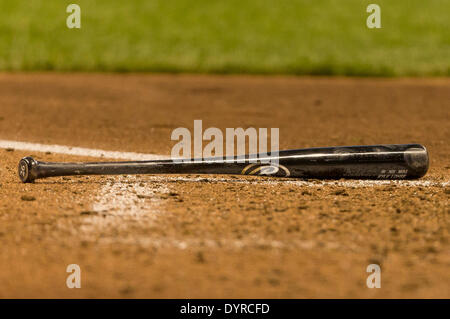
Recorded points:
(222,236)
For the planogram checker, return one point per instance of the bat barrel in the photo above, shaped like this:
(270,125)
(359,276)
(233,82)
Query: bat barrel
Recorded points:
(396,161)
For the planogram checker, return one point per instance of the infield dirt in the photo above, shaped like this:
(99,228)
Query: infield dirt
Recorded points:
(222,236)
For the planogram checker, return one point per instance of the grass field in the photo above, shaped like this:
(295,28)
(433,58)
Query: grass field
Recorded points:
(322,37)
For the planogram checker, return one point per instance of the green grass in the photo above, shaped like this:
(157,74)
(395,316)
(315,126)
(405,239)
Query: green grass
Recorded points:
(319,37)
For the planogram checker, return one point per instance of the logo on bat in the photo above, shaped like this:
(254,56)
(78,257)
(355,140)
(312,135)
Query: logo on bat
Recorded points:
(265,169)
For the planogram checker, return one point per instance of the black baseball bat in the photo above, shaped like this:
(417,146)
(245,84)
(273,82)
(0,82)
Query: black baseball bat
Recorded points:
(397,161)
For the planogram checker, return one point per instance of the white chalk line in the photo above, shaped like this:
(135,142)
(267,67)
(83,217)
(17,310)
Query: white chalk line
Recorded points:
(125,201)
(78,151)
(120,205)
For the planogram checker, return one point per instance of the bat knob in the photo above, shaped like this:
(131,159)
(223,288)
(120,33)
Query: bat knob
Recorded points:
(26,165)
